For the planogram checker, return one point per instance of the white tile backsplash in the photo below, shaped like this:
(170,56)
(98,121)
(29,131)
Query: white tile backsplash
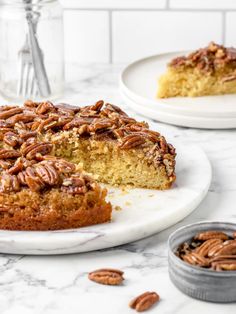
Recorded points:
(112,4)
(125,30)
(230,38)
(138,34)
(203,4)
(86,36)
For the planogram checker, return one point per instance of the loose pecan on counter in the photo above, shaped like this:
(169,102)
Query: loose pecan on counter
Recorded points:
(144,301)
(107,276)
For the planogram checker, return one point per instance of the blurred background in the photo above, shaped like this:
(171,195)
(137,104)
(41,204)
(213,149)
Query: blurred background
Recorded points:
(115,31)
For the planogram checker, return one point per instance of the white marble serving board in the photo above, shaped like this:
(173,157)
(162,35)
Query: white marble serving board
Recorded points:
(143,212)
(139,83)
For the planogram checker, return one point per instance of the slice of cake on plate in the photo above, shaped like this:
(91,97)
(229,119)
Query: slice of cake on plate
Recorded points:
(47,151)
(207,71)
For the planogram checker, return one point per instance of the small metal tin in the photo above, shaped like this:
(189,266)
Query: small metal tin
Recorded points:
(197,282)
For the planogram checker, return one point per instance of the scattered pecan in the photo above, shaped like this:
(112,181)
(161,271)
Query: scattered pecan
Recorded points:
(107,276)
(144,301)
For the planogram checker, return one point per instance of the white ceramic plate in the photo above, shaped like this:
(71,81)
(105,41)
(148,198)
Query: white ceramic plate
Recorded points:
(144,212)
(138,82)
(180,119)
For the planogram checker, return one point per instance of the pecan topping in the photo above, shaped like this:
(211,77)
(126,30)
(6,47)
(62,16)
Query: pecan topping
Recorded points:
(28,163)
(9,153)
(208,59)
(9,112)
(144,301)
(47,173)
(11,139)
(31,151)
(131,141)
(210,249)
(107,276)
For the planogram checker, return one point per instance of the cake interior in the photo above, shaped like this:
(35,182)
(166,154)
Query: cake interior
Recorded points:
(112,165)
(192,82)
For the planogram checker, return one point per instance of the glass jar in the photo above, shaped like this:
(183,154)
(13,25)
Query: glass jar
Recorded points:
(31,49)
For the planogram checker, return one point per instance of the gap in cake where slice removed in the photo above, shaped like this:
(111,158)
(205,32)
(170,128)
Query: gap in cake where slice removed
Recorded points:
(206,71)
(47,151)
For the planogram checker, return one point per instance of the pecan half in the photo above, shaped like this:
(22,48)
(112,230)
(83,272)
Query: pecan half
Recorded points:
(228,248)
(30,151)
(47,173)
(10,112)
(224,265)
(144,301)
(203,236)
(9,183)
(131,141)
(207,246)
(11,139)
(17,167)
(9,153)
(107,276)
(196,259)
(44,107)
(32,180)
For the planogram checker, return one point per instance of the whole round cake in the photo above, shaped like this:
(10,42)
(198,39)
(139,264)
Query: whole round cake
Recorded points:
(50,155)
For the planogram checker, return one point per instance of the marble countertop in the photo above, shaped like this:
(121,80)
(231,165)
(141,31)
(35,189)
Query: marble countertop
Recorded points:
(59,284)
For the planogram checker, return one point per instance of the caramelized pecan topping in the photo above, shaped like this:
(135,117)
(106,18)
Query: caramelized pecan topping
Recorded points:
(25,159)
(208,59)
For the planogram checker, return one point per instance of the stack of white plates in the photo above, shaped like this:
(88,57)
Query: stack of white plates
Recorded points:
(138,86)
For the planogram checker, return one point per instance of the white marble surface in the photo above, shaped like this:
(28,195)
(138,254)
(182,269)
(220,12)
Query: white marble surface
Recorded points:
(59,284)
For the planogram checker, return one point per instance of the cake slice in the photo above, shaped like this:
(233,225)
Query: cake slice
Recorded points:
(207,71)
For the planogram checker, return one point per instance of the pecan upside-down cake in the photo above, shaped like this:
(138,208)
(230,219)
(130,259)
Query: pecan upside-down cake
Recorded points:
(48,150)
(207,71)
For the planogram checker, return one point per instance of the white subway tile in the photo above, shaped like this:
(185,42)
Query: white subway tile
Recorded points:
(139,34)
(112,4)
(86,36)
(202,4)
(230,38)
